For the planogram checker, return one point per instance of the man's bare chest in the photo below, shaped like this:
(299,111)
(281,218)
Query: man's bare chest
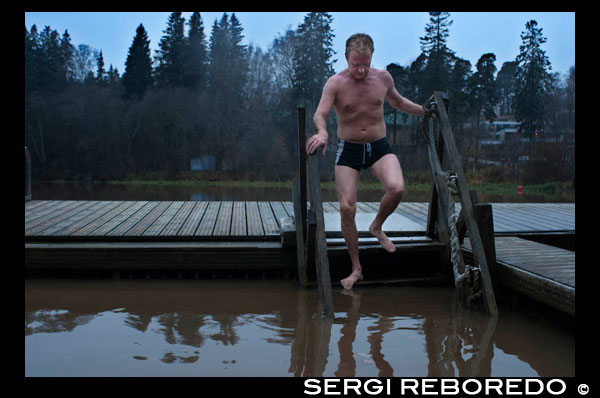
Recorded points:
(360,97)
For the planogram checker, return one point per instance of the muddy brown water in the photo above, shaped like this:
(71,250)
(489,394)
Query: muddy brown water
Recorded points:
(272,328)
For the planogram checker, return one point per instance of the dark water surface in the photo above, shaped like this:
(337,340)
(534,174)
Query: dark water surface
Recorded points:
(271,328)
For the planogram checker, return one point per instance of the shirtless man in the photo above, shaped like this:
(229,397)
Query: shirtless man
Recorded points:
(357,93)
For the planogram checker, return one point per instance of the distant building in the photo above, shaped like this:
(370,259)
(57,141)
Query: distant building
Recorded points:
(203,163)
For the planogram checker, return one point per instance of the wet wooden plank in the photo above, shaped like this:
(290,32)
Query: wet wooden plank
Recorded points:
(133,219)
(278,211)
(54,208)
(177,221)
(95,219)
(269,222)
(223,223)
(191,224)
(161,222)
(238,222)
(51,219)
(113,222)
(289,207)
(209,219)
(83,214)
(255,226)
(139,228)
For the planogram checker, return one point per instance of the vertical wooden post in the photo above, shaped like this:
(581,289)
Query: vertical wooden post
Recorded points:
(302,161)
(300,234)
(321,260)
(299,199)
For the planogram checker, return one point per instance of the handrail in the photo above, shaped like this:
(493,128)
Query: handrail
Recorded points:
(28,175)
(311,243)
(450,153)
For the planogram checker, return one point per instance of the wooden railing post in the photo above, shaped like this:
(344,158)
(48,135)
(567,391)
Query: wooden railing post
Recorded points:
(299,200)
(321,259)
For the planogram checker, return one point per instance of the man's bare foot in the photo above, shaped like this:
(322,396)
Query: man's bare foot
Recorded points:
(352,279)
(385,242)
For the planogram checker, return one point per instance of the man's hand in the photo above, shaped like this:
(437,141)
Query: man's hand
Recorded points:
(317,140)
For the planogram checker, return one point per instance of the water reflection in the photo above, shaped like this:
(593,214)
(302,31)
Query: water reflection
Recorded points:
(271,328)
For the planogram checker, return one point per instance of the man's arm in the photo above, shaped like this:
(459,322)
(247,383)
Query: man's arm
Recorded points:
(320,119)
(399,102)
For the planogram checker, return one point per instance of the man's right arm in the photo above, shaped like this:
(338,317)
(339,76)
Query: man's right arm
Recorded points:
(320,118)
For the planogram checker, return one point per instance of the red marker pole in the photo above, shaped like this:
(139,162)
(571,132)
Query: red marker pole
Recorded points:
(520,189)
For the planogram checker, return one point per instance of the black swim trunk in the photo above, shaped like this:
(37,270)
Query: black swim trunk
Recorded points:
(360,156)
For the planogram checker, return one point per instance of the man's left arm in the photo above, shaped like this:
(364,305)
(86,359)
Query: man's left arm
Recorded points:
(399,102)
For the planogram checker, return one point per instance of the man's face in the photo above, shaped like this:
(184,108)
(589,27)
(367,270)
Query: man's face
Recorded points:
(359,64)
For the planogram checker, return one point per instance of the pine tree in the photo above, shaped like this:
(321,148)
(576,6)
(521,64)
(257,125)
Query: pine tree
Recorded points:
(439,57)
(196,58)
(238,57)
(138,66)
(312,64)
(218,54)
(100,69)
(506,86)
(483,92)
(170,55)
(531,80)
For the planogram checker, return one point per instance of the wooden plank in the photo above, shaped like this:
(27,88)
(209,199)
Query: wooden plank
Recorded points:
(209,219)
(544,217)
(32,204)
(54,209)
(518,221)
(223,222)
(115,221)
(395,222)
(238,223)
(328,208)
(126,225)
(45,207)
(278,211)
(54,218)
(96,218)
(177,221)
(255,227)
(82,213)
(269,222)
(161,222)
(85,228)
(289,207)
(145,223)
(192,223)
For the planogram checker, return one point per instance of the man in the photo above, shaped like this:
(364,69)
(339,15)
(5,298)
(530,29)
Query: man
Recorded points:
(357,93)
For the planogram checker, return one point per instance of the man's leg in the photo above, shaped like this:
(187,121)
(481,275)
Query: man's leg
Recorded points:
(388,172)
(346,181)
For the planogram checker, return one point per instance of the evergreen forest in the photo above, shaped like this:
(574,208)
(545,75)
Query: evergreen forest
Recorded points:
(204,93)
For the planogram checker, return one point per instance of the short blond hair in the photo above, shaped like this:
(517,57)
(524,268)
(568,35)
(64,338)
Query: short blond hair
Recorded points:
(360,42)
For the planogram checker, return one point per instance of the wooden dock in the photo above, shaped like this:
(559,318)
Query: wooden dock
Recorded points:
(189,235)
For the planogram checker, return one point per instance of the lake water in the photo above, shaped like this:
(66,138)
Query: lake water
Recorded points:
(272,328)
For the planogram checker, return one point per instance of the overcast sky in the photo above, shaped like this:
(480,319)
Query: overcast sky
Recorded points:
(396,34)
